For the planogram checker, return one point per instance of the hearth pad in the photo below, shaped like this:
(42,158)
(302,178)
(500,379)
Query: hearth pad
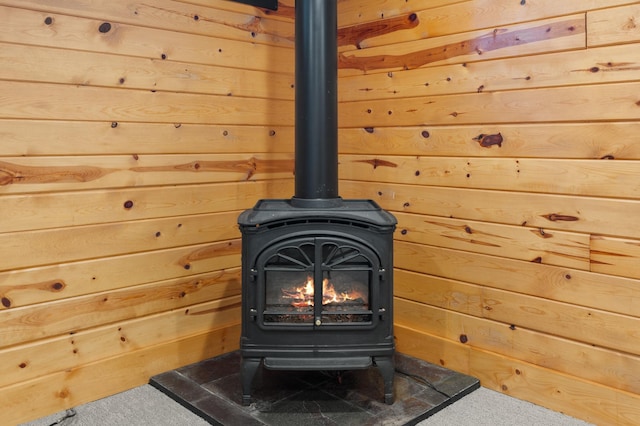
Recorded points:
(212,389)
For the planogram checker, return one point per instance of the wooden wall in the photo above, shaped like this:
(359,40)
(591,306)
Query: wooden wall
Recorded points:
(131,136)
(504,136)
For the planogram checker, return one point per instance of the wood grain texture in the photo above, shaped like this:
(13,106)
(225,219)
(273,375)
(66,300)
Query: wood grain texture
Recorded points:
(593,66)
(610,216)
(541,36)
(614,26)
(62,209)
(575,177)
(61,31)
(588,104)
(571,395)
(209,19)
(41,321)
(47,356)
(65,280)
(594,141)
(109,277)
(87,382)
(566,356)
(573,287)
(32,138)
(19,62)
(514,242)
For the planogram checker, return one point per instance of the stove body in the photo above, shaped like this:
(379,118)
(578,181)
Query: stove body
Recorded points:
(317,270)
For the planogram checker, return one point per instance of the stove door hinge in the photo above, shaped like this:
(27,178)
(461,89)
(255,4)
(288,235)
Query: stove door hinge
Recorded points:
(253,275)
(253,313)
(382,313)
(382,273)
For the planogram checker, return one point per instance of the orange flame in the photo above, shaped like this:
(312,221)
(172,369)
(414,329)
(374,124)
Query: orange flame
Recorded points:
(303,295)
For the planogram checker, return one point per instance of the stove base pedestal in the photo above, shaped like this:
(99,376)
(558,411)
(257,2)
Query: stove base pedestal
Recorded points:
(250,366)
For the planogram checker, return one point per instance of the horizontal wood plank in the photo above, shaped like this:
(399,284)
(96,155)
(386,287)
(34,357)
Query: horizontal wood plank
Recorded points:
(573,287)
(515,242)
(614,26)
(574,177)
(559,140)
(442,17)
(597,328)
(602,216)
(599,365)
(615,256)
(571,395)
(617,102)
(544,36)
(61,209)
(210,18)
(34,360)
(49,137)
(69,316)
(35,101)
(24,63)
(48,174)
(49,283)
(70,388)
(592,66)
(76,33)
(59,245)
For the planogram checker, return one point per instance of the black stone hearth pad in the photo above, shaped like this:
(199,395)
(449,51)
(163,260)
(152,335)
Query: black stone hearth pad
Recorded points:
(212,390)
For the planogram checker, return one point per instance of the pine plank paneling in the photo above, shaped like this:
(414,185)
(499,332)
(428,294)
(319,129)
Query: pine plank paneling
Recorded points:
(109,277)
(59,245)
(573,287)
(575,177)
(443,17)
(503,136)
(48,137)
(615,256)
(588,103)
(614,26)
(61,209)
(593,66)
(545,36)
(568,394)
(37,174)
(18,62)
(25,101)
(523,243)
(209,19)
(600,365)
(87,382)
(614,217)
(96,35)
(26,324)
(558,140)
(47,356)
(65,280)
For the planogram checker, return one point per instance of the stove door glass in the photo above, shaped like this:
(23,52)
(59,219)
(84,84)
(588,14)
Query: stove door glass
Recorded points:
(318,281)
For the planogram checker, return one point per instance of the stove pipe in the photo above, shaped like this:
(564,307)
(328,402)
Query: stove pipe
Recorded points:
(316,121)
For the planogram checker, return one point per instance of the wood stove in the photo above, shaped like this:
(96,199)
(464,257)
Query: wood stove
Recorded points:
(317,270)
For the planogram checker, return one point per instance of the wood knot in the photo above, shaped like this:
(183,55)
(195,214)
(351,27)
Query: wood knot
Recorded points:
(104,28)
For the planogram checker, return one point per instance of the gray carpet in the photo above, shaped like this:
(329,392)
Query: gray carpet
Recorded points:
(144,406)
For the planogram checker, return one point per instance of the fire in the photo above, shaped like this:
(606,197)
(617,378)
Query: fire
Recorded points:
(303,295)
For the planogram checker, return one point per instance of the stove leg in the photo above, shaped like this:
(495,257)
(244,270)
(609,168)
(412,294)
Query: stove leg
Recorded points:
(386,366)
(247,373)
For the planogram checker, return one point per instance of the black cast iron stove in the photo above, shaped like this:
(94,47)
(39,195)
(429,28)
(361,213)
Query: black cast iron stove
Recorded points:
(317,270)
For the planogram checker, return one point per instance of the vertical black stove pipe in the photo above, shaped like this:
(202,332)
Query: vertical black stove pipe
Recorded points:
(316,145)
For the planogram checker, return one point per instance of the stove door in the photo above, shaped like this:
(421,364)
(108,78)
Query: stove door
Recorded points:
(317,282)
